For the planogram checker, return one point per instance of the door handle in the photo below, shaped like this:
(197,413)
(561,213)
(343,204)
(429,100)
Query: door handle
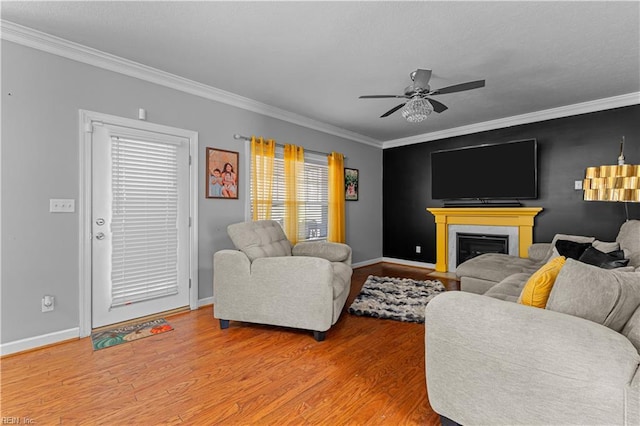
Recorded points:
(100,236)
(100,221)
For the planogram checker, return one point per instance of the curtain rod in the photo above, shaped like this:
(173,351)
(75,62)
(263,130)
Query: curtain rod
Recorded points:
(246,138)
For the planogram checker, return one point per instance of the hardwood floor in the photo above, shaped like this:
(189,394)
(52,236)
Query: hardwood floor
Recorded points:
(367,371)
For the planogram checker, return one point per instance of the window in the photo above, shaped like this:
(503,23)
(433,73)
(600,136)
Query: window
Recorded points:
(314,214)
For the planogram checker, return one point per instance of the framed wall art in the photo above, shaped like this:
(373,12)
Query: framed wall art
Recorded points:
(222,174)
(351,184)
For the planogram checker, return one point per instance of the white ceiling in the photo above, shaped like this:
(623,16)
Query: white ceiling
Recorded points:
(315,58)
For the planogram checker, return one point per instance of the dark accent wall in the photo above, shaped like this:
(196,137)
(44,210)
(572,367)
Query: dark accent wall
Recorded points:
(566,146)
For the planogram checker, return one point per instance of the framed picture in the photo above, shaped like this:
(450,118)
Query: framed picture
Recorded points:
(351,184)
(222,174)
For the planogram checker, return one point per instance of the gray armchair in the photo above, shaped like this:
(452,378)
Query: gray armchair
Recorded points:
(269,281)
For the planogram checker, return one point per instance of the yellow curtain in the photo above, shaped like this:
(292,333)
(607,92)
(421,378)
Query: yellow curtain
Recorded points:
(337,228)
(262,155)
(293,202)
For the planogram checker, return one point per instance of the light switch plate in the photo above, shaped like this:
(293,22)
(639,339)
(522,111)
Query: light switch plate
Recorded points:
(62,205)
(578,185)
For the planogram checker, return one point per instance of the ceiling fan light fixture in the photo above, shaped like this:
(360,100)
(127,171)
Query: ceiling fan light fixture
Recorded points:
(417,110)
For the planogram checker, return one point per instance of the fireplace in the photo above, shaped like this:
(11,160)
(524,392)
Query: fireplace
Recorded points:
(517,222)
(477,240)
(472,245)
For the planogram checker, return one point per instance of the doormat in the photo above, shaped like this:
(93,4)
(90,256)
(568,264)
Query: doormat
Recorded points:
(400,299)
(128,333)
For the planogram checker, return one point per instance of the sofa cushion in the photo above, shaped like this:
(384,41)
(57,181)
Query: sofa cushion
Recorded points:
(510,288)
(538,287)
(495,266)
(606,247)
(629,240)
(261,238)
(631,329)
(538,251)
(611,260)
(604,296)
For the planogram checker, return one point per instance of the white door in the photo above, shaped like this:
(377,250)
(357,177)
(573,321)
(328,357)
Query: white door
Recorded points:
(139,223)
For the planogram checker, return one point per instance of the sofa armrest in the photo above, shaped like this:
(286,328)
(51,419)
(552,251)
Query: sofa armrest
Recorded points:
(538,251)
(494,362)
(333,252)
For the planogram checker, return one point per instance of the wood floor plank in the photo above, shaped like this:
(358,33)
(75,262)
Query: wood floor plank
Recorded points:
(368,371)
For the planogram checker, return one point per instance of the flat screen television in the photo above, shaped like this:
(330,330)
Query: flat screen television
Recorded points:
(501,171)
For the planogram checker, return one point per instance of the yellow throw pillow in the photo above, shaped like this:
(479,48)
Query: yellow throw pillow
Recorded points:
(537,289)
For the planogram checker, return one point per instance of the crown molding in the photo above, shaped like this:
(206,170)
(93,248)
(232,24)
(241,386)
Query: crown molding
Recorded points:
(547,114)
(58,46)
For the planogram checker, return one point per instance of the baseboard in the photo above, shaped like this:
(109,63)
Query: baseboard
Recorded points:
(204,302)
(366,263)
(409,262)
(39,341)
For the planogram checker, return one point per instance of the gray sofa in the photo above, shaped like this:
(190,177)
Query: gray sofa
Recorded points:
(481,273)
(492,361)
(269,281)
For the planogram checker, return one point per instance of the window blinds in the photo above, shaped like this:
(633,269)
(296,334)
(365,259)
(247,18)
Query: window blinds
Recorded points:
(144,220)
(314,188)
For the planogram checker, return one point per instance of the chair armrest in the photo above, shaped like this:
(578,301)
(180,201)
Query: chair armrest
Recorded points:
(333,252)
(229,267)
(538,251)
(543,367)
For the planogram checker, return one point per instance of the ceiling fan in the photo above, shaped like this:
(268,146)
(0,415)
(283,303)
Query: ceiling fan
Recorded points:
(419,105)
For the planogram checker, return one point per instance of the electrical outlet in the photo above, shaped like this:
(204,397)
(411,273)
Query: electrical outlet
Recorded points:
(418,249)
(48,303)
(58,205)
(577,185)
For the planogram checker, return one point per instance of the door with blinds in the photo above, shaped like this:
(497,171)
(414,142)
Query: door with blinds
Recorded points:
(140,223)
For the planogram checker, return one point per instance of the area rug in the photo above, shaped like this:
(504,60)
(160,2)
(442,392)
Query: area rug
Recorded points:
(400,299)
(128,333)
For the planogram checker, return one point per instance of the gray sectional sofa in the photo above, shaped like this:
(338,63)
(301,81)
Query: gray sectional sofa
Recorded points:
(490,360)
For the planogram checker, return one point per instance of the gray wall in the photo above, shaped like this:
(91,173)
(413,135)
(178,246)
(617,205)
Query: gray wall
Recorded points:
(41,96)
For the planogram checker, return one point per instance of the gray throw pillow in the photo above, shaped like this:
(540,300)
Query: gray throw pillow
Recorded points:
(606,247)
(604,296)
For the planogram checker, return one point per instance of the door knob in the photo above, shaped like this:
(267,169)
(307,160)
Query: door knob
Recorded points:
(100,236)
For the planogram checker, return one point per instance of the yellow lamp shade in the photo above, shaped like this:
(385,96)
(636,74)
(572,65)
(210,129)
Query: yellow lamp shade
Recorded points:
(612,183)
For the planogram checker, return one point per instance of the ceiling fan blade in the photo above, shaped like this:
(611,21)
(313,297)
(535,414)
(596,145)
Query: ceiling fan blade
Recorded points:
(380,96)
(392,110)
(421,78)
(437,106)
(459,87)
